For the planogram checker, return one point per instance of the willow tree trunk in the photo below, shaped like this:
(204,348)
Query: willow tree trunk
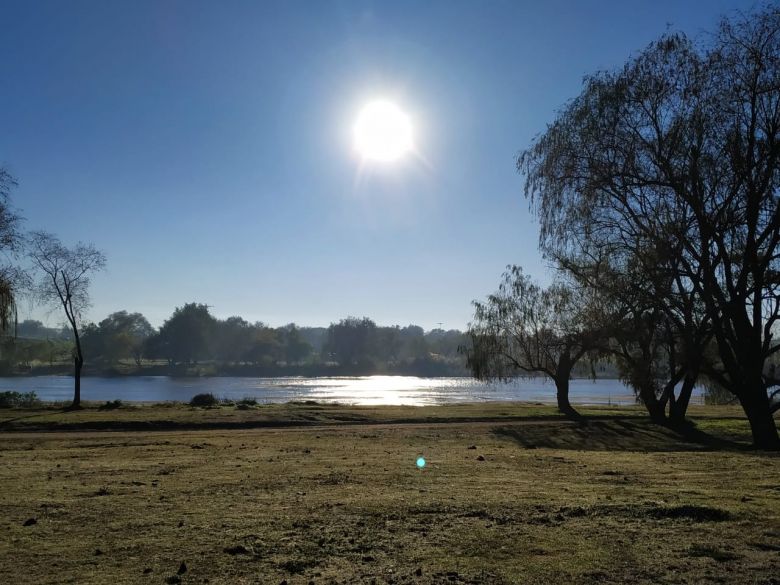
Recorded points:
(562,395)
(655,408)
(679,406)
(759,414)
(561,379)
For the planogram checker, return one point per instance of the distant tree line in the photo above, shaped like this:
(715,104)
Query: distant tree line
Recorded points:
(39,267)
(192,340)
(658,194)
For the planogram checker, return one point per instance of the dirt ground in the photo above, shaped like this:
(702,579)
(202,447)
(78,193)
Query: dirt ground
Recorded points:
(519,497)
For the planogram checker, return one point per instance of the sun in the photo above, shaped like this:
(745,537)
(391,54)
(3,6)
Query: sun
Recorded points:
(382,132)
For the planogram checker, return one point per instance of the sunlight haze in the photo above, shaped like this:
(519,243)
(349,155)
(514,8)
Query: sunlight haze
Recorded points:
(211,153)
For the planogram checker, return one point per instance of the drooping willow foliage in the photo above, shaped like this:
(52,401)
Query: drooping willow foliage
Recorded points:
(7,305)
(11,277)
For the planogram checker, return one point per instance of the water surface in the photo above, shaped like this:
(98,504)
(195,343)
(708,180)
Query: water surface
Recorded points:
(354,390)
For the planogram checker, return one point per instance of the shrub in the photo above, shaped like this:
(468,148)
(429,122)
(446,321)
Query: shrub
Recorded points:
(110,405)
(246,403)
(11,399)
(205,399)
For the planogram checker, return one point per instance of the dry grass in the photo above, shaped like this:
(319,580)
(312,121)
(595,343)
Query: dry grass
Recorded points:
(618,500)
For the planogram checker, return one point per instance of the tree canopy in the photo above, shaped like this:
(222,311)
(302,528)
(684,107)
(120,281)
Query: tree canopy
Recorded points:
(64,279)
(669,169)
(529,329)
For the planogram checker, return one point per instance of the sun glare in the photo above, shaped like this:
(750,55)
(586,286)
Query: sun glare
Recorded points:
(382,132)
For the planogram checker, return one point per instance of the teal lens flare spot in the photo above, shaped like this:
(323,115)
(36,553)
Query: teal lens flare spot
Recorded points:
(420,462)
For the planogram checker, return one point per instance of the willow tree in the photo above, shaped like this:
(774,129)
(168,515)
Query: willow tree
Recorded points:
(658,348)
(64,282)
(12,278)
(524,329)
(679,152)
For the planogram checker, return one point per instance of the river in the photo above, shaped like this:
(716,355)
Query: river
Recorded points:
(354,390)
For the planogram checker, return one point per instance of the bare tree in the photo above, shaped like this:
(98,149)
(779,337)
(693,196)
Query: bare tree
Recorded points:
(526,329)
(64,282)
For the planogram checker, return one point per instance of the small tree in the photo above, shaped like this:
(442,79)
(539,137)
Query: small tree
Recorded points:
(64,281)
(524,328)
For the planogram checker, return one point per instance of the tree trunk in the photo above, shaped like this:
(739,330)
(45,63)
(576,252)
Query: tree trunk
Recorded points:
(561,379)
(678,407)
(655,409)
(78,363)
(759,414)
(562,394)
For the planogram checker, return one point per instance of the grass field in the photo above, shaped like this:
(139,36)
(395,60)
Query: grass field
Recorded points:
(305,493)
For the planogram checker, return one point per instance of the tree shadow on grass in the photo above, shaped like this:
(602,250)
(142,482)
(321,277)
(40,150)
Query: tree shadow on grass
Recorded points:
(614,434)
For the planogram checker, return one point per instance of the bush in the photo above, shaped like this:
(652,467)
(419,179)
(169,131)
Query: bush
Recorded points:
(110,405)
(246,403)
(205,399)
(11,399)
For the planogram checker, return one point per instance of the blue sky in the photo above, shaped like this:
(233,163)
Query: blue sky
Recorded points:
(206,146)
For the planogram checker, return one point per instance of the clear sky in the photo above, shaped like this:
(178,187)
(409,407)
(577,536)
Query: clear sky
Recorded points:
(207,147)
